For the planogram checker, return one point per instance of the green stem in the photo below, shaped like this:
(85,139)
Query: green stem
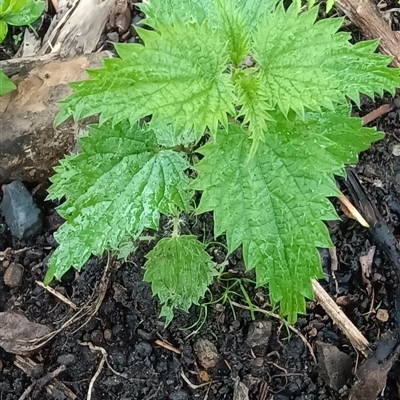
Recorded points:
(175,232)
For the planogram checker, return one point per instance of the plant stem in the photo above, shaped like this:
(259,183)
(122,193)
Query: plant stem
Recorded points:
(175,232)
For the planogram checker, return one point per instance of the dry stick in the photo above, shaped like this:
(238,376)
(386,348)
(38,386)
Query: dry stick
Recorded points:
(42,381)
(167,346)
(276,316)
(352,210)
(58,295)
(191,385)
(356,338)
(374,114)
(104,353)
(26,365)
(100,367)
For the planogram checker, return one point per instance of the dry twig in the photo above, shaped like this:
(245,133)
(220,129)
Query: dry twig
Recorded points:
(167,346)
(58,295)
(356,338)
(26,365)
(39,384)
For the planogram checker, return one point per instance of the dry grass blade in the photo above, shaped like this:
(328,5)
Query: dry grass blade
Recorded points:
(86,311)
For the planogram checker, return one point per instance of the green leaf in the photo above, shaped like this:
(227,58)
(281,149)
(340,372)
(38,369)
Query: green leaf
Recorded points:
(274,204)
(117,186)
(179,270)
(177,77)
(234,19)
(23,12)
(195,11)
(305,64)
(3,30)
(254,108)
(6,85)
(329,5)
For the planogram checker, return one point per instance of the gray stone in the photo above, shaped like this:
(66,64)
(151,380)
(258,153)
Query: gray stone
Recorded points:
(113,37)
(206,352)
(14,275)
(21,214)
(259,333)
(179,395)
(66,359)
(334,365)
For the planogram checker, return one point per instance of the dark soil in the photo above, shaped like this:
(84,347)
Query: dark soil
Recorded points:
(127,325)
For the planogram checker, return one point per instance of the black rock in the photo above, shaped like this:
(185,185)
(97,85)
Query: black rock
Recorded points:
(21,214)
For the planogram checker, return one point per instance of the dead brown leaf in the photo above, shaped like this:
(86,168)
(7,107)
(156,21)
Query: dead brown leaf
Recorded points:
(371,378)
(17,332)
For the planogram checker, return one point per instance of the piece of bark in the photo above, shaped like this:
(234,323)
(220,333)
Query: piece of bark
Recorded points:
(29,145)
(79,29)
(366,16)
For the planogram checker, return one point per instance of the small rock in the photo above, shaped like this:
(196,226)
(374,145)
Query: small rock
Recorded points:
(21,214)
(66,359)
(204,376)
(382,315)
(257,362)
(259,334)
(206,353)
(145,335)
(113,37)
(97,337)
(179,395)
(112,381)
(143,349)
(14,275)
(136,20)
(119,359)
(107,334)
(37,371)
(334,365)
(241,391)
(6,264)
(1,366)
(396,150)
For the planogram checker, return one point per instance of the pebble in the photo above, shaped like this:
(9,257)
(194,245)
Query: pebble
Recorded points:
(108,334)
(14,275)
(145,335)
(97,337)
(179,395)
(382,315)
(113,37)
(206,353)
(143,349)
(334,365)
(21,214)
(396,150)
(259,334)
(66,359)
(257,362)
(119,359)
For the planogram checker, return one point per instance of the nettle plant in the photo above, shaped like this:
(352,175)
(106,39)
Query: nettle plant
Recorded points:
(260,93)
